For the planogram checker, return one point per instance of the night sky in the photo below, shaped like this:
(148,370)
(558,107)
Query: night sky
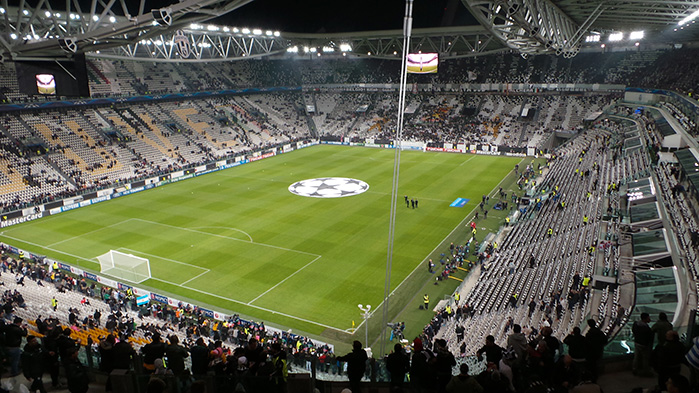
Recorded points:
(333,16)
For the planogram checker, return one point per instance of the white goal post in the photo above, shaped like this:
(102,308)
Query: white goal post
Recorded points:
(125,266)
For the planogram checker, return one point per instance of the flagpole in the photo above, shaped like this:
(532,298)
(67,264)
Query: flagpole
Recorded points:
(407,27)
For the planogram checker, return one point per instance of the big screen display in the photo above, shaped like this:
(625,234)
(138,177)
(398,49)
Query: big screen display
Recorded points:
(422,63)
(46,84)
(66,78)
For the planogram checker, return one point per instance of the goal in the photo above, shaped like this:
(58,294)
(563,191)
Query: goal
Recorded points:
(124,266)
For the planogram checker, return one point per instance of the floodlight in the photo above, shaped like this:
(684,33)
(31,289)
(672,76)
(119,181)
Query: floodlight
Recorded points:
(112,19)
(257,32)
(689,18)
(636,35)
(616,37)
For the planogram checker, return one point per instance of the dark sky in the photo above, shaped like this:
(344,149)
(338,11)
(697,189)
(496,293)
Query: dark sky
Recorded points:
(335,16)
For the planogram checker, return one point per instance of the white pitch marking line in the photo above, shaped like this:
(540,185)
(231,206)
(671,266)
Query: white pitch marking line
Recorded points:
(87,233)
(229,238)
(52,249)
(253,306)
(467,160)
(492,192)
(234,229)
(195,277)
(282,281)
(165,259)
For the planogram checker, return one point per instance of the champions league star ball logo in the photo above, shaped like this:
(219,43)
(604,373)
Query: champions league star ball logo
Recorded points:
(328,187)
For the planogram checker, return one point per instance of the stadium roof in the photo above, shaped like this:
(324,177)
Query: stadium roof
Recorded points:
(628,15)
(36,29)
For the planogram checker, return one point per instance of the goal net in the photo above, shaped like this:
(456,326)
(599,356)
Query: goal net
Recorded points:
(124,266)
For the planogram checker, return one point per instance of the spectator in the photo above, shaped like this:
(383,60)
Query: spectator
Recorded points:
(14,333)
(106,350)
(123,354)
(566,373)
(200,358)
(493,352)
(518,342)
(421,378)
(50,349)
(660,328)
(356,365)
(669,357)
(281,369)
(76,373)
(643,342)
(151,351)
(397,364)
(492,380)
(176,354)
(577,345)
(444,361)
(677,384)
(463,383)
(596,340)
(33,364)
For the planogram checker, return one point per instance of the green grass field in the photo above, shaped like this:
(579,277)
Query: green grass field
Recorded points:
(239,241)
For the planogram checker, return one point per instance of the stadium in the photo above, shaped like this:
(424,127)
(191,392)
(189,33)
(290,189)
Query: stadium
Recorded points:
(513,198)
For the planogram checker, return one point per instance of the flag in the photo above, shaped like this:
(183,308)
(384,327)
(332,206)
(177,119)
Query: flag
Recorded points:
(141,300)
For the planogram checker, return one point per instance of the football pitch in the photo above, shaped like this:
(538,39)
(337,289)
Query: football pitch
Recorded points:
(239,241)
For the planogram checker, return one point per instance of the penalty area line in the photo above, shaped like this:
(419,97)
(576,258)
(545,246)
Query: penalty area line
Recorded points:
(165,259)
(273,312)
(282,281)
(195,277)
(227,237)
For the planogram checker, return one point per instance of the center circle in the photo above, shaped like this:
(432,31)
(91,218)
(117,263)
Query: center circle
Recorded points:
(328,187)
